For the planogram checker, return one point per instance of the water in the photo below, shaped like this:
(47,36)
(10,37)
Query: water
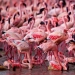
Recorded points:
(36,70)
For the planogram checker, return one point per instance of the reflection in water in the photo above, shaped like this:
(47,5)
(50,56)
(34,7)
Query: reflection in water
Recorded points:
(55,72)
(39,71)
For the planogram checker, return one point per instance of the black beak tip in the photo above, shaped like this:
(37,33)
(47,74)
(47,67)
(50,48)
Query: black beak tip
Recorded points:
(3,32)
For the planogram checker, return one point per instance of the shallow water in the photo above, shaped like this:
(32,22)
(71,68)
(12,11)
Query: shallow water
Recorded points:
(36,70)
